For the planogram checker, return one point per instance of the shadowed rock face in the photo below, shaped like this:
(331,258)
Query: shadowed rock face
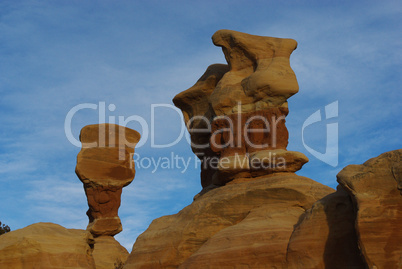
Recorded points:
(198,115)
(375,190)
(236,113)
(325,236)
(105,166)
(359,225)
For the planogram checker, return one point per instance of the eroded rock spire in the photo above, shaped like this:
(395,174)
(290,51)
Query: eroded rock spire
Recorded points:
(105,165)
(235,113)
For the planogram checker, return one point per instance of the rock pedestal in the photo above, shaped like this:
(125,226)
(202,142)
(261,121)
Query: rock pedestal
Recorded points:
(46,246)
(236,113)
(105,165)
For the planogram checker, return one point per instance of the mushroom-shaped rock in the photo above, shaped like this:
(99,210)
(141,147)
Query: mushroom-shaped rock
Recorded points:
(236,113)
(105,165)
(260,75)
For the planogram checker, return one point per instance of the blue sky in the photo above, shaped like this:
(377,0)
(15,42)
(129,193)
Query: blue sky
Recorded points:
(55,55)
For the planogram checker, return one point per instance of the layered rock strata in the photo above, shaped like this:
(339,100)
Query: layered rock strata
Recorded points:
(46,246)
(285,221)
(198,115)
(236,113)
(375,189)
(105,165)
(359,225)
(50,246)
(239,223)
(326,236)
(108,253)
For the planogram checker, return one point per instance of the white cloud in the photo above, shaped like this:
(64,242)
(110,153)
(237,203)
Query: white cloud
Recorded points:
(55,56)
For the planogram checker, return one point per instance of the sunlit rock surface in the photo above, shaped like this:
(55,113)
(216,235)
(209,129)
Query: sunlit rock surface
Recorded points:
(105,165)
(46,246)
(252,218)
(375,188)
(235,113)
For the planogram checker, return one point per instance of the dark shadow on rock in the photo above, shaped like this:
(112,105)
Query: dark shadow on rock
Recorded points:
(341,248)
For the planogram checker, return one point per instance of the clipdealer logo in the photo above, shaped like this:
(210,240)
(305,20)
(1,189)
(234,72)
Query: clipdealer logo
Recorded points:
(330,156)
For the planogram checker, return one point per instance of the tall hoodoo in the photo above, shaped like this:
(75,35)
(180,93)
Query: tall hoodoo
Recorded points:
(105,165)
(236,113)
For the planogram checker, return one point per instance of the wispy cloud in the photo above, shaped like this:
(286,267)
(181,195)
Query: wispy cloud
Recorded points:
(134,54)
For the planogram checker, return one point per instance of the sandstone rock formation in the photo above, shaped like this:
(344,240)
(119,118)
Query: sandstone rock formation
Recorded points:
(108,253)
(46,246)
(325,236)
(198,115)
(105,165)
(247,222)
(236,113)
(254,211)
(51,246)
(375,190)
(359,225)
(263,215)
(260,75)
(285,221)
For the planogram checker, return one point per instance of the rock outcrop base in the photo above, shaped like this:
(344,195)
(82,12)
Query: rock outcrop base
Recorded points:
(255,218)
(46,246)
(285,221)
(375,191)
(51,246)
